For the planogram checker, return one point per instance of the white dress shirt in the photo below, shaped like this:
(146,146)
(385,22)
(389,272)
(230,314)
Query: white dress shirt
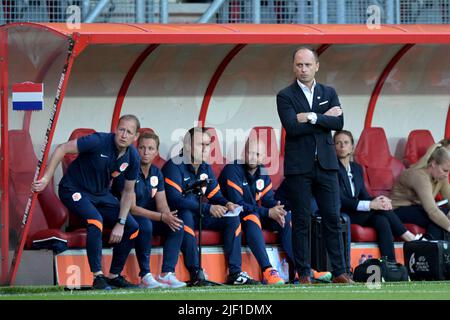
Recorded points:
(363,205)
(309,94)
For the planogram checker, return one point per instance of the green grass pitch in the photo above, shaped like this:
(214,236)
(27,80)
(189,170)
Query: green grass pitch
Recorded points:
(438,290)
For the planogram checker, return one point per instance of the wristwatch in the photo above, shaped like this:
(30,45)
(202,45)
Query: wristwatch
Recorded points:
(121,221)
(310,116)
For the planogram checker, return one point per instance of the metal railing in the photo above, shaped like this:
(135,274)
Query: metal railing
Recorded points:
(335,11)
(231,11)
(124,11)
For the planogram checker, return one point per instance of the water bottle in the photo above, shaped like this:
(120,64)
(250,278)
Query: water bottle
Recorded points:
(362,259)
(283,270)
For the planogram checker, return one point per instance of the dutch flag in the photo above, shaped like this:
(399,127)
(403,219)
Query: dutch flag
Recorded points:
(28,96)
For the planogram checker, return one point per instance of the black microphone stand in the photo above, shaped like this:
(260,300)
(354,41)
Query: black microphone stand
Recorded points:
(197,190)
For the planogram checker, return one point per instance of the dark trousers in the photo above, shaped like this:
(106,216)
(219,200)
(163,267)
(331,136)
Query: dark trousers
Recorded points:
(96,212)
(386,223)
(284,233)
(346,220)
(143,244)
(171,247)
(252,226)
(231,231)
(323,184)
(417,215)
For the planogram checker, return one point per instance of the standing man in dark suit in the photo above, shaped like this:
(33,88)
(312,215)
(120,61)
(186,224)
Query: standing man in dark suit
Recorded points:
(309,111)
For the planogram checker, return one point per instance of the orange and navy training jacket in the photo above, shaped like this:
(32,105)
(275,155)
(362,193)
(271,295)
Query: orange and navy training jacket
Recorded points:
(253,192)
(179,176)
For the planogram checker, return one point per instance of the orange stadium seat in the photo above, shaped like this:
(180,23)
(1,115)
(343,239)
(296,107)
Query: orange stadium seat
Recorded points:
(416,146)
(379,166)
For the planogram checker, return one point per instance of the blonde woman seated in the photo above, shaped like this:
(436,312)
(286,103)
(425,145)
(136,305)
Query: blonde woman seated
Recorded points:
(414,192)
(363,209)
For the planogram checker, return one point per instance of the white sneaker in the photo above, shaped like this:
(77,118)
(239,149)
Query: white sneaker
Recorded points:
(171,281)
(419,236)
(148,282)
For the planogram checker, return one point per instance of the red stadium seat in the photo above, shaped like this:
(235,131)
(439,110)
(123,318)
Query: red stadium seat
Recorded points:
(158,161)
(368,234)
(214,238)
(415,228)
(271,237)
(216,160)
(273,159)
(75,222)
(157,241)
(77,133)
(417,145)
(362,234)
(210,237)
(49,214)
(379,166)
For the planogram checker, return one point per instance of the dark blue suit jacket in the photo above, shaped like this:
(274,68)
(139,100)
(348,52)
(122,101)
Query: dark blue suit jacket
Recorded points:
(302,139)
(349,203)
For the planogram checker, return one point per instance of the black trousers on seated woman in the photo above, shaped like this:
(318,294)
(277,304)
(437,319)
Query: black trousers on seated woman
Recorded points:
(417,215)
(386,224)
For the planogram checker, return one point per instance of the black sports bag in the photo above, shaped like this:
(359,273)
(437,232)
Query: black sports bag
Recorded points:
(390,271)
(427,260)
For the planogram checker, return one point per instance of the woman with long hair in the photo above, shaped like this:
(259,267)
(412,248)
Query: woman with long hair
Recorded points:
(414,192)
(360,206)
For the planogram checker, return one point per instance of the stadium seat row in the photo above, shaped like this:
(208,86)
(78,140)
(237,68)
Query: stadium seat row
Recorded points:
(50,216)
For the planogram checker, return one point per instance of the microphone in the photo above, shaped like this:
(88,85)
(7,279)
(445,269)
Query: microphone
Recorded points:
(197,185)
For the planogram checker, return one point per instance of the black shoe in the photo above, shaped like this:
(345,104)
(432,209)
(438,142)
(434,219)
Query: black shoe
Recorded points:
(101,283)
(198,279)
(241,278)
(198,275)
(120,282)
